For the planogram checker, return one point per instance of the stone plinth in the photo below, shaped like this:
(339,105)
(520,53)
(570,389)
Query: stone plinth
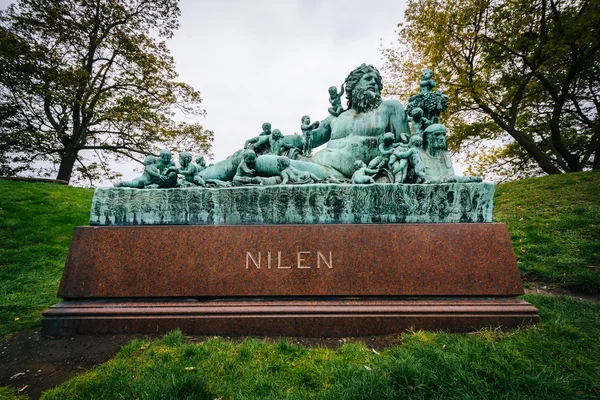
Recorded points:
(300,260)
(295,204)
(312,280)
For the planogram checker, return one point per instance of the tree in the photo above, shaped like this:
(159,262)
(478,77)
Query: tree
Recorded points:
(522,75)
(91,75)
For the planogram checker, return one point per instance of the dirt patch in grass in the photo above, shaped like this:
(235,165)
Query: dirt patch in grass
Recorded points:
(35,363)
(555,290)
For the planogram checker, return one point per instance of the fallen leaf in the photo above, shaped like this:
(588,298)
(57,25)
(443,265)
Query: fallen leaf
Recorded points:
(190,368)
(591,266)
(18,374)
(17,318)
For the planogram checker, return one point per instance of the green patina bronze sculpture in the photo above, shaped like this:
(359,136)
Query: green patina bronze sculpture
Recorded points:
(290,174)
(371,130)
(335,100)
(386,148)
(363,175)
(266,129)
(307,129)
(149,177)
(438,165)
(414,159)
(418,123)
(431,102)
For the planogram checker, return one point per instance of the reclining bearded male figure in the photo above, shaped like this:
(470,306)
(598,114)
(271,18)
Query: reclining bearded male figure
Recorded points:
(353,135)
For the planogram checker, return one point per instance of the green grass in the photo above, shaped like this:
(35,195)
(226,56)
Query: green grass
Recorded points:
(554,224)
(36,225)
(559,358)
(7,393)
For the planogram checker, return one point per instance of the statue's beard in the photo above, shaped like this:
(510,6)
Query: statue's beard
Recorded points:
(365,100)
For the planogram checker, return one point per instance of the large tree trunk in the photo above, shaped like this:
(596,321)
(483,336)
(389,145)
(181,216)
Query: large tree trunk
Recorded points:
(67,163)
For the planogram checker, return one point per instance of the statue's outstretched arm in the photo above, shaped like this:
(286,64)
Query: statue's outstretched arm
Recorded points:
(322,134)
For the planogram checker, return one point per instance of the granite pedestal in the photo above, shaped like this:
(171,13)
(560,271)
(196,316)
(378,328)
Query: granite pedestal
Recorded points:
(302,280)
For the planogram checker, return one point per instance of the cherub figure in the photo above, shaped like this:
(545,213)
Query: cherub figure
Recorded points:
(271,144)
(363,175)
(427,84)
(418,122)
(414,159)
(307,129)
(386,148)
(335,101)
(246,172)
(167,170)
(149,176)
(189,171)
(293,175)
(201,163)
(266,129)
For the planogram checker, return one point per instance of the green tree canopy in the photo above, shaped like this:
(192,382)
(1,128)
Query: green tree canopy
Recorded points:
(91,75)
(523,78)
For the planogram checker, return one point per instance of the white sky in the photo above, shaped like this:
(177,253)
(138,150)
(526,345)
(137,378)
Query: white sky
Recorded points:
(270,60)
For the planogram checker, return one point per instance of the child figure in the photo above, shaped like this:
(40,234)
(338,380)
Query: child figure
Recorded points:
(334,99)
(187,169)
(245,173)
(307,129)
(201,163)
(149,176)
(292,175)
(427,84)
(167,170)
(363,175)
(418,122)
(413,157)
(266,129)
(385,151)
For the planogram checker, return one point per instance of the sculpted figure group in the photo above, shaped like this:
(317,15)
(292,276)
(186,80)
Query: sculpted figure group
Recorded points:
(371,141)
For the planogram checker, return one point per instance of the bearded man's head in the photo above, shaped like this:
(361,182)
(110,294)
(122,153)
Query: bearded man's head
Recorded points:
(364,94)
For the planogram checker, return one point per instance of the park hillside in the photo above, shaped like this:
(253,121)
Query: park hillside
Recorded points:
(554,223)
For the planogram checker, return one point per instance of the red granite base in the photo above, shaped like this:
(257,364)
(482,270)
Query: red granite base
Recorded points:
(453,277)
(310,318)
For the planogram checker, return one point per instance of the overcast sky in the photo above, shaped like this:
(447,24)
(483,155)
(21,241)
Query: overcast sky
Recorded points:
(263,60)
(257,61)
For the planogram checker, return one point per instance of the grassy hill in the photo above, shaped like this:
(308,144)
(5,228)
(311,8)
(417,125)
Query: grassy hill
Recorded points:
(554,224)
(36,225)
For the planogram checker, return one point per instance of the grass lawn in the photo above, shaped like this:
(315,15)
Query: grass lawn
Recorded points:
(554,223)
(559,358)
(36,225)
